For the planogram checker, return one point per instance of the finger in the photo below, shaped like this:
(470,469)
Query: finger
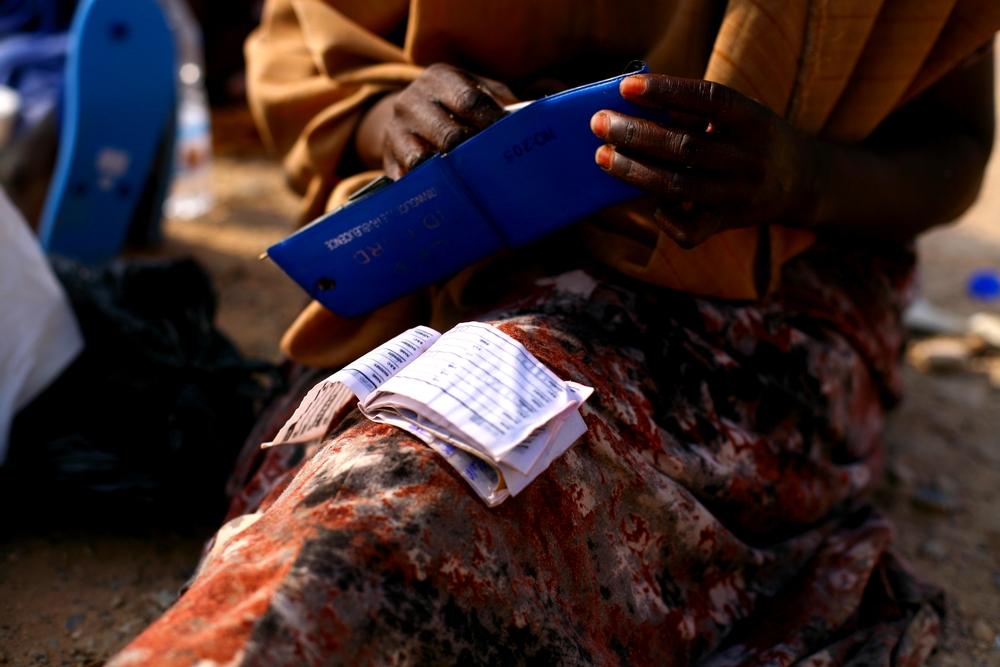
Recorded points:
(681,185)
(404,151)
(391,166)
(688,122)
(462,95)
(695,96)
(434,124)
(500,92)
(669,145)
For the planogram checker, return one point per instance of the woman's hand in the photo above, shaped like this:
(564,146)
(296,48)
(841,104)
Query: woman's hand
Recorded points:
(721,160)
(434,114)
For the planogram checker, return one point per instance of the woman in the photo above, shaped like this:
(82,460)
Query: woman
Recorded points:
(740,326)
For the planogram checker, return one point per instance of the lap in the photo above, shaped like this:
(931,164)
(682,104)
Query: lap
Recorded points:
(728,449)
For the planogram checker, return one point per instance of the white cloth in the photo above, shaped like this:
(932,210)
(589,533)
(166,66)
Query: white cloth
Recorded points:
(39,335)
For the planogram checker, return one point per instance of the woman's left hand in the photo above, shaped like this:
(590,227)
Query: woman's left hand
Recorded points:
(721,160)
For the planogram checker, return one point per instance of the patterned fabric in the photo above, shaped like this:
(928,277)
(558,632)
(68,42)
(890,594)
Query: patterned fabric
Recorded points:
(714,514)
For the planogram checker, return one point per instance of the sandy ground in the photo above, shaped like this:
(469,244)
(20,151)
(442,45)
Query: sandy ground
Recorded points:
(70,596)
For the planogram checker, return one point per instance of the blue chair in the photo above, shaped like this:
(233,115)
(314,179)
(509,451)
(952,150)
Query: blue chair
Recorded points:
(116,141)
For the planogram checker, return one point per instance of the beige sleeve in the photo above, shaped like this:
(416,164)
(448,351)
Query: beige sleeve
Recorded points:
(313,67)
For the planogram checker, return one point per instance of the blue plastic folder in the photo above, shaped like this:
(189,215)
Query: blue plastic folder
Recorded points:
(527,175)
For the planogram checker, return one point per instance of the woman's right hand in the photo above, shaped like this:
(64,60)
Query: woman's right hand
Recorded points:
(439,110)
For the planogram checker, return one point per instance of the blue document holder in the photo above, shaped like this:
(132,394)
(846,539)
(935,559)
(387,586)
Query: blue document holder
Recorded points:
(527,175)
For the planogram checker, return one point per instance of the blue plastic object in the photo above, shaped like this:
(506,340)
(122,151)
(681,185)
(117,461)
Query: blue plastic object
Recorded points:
(119,105)
(34,64)
(525,176)
(984,285)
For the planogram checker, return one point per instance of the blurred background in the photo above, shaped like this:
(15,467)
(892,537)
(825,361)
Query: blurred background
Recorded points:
(74,591)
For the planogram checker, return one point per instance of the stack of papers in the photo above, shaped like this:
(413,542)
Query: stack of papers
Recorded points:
(474,395)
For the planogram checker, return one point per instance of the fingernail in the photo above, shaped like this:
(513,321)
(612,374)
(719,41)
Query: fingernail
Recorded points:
(633,85)
(599,124)
(603,156)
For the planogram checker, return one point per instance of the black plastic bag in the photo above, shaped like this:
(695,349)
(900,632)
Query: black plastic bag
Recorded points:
(152,414)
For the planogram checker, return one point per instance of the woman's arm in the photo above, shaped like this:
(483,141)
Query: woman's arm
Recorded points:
(922,167)
(726,161)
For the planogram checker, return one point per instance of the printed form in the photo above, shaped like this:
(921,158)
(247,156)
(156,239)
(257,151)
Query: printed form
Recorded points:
(474,395)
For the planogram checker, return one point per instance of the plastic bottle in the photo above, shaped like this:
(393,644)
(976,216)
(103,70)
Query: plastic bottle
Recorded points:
(10,108)
(191,191)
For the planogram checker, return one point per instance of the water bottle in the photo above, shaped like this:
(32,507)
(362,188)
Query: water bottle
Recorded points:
(191,191)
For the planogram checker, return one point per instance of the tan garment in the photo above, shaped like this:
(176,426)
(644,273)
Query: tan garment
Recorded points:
(835,68)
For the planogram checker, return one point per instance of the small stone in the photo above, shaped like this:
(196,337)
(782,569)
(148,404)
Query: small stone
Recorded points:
(934,550)
(73,622)
(986,327)
(940,355)
(163,598)
(117,602)
(924,317)
(946,484)
(982,631)
(900,473)
(932,498)
(993,373)
(85,658)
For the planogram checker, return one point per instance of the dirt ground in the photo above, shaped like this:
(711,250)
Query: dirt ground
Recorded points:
(70,596)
